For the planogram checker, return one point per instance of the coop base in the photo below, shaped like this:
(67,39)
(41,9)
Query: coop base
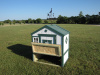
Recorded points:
(47,59)
(50,51)
(47,63)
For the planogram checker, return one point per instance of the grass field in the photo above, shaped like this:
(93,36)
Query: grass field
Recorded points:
(16,52)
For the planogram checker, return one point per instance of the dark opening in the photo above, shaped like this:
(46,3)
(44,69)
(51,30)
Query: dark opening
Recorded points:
(49,59)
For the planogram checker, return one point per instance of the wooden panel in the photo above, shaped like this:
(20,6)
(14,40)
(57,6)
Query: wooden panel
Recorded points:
(48,49)
(44,49)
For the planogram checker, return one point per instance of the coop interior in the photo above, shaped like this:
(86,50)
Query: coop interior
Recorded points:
(47,59)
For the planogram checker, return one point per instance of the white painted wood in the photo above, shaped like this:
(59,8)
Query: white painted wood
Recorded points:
(66,45)
(65,57)
(58,40)
(42,31)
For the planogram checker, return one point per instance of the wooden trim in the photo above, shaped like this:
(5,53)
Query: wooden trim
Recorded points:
(47,63)
(44,44)
(46,54)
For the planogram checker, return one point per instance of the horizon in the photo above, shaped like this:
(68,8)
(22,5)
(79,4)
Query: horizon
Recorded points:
(25,9)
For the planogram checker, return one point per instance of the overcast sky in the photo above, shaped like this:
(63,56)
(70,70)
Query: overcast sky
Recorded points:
(24,9)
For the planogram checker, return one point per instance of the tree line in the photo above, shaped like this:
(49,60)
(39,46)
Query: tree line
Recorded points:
(80,19)
(29,21)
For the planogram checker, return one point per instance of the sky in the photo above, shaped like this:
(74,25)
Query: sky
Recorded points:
(24,9)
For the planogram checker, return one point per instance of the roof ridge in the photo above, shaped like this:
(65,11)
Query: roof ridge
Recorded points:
(58,29)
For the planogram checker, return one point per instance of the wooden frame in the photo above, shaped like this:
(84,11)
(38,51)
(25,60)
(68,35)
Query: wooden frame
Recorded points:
(46,49)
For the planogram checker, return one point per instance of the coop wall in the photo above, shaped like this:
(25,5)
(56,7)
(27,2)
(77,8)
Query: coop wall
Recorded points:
(66,45)
(66,48)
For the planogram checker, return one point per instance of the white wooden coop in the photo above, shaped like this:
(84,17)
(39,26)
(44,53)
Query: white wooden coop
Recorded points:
(50,40)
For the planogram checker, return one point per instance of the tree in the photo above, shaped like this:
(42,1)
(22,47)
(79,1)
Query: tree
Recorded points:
(26,21)
(14,22)
(62,19)
(0,23)
(7,21)
(23,21)
(38,20)
(81,14)
(29,20)
(33,21)
(10,23)
(19,22)
(45,21)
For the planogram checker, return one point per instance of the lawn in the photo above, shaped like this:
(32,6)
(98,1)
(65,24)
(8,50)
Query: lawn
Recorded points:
(16,52)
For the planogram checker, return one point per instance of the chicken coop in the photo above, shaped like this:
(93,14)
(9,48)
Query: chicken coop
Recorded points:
(51,41)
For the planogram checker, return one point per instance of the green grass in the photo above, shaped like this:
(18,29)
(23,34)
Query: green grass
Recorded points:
(16,54)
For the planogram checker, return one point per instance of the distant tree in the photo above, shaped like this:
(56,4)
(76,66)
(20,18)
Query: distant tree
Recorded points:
(82,20)
(45,21)
(10,23)
(33,21)
(87,16)
(38,20)
(81,14)
(0,23)
(29,20)
(7,21)
(62,19)
(14,21)
(26,21)
(19,22)
(71,20)
(23,21)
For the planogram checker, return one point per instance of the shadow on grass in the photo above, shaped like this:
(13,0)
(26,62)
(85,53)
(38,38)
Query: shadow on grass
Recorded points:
(22,50)
(26,51)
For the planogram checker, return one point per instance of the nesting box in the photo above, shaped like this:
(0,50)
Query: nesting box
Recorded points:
(52,41)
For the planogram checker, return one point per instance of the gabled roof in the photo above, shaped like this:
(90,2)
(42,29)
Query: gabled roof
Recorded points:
(55,28)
